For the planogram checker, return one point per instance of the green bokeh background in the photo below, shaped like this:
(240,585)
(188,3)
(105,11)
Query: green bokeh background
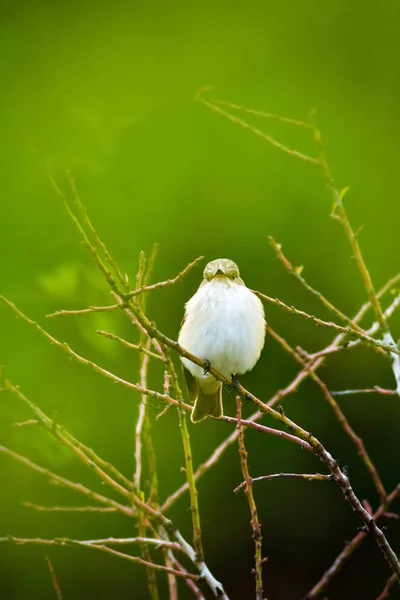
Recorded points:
(107,90)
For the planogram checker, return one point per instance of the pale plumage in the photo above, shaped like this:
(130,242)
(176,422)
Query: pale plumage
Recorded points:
(224,323)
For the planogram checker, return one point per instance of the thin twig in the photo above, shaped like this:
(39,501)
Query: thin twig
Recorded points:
(77,487)
(216,455)
(306,476)
(374,390)
(93,232)
(255,523)
(162,284)
(129,345)
(362,337)
(53,577)
(113,478)
(386,590)
(268,138)
(339,213)
(40,508)
(204,572)
(296,273)
(64,346)
(350,548)
(97,546)
(357,441)
(191,584)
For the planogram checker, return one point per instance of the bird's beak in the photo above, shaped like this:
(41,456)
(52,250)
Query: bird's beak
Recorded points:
(219,273)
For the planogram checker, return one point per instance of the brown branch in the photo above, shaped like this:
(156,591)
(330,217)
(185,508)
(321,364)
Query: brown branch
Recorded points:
(386,590)
(306,476)
(191,584)
(40,508)
(350,548)
(53,577)
(96,546)
(162,284)
(375,390)
(357,441)
(255,523)
(129,345)
(268,138)
(362,337)
(98,241)
(154,514)
(296,273)
(216,455)
(117,481)
(77,487)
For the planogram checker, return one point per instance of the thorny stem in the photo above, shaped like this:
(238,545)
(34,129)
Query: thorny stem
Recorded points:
(129,345)
(152,513)
(339,212)
(296,273)
(357,441)
(390,348)
(53,576)
(255,523)
(97,240)
(117,481)
(350,548)
(139,434)
(189,471)
(385,592)
(306,476)
(96,545)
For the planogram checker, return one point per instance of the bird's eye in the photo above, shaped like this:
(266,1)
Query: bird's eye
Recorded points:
(232,275)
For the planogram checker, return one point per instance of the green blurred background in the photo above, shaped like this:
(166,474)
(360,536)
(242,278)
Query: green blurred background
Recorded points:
(107,90)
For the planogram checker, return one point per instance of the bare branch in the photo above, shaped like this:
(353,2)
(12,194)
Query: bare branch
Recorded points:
(255,523)
(350,548)
(129,345)
(306,476)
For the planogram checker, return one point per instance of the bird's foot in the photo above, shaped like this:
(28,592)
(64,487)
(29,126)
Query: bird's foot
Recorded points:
(234,384)
(207,366)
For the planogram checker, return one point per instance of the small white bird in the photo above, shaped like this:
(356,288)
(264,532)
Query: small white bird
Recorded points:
(224,324)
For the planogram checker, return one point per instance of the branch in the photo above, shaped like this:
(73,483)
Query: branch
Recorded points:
(97,545)
(268,138)
(350,548)
(255,523)
(53,577)
(154,514)
(357,441)
(306,476)
(162,284)
(77,487)
(84,454)
(129,345)
(40,508)
(389,584)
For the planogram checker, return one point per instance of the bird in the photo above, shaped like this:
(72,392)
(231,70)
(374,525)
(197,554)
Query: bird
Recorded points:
(224,324)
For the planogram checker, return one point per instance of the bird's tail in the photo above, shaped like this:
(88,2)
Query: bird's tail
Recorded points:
(207,405)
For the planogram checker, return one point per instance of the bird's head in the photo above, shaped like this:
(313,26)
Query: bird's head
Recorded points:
(221,267)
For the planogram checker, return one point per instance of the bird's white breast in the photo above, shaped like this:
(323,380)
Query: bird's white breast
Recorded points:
(224,323)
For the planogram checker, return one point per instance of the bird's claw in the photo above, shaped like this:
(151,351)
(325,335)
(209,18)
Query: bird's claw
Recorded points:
(234,384)
(207,366)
